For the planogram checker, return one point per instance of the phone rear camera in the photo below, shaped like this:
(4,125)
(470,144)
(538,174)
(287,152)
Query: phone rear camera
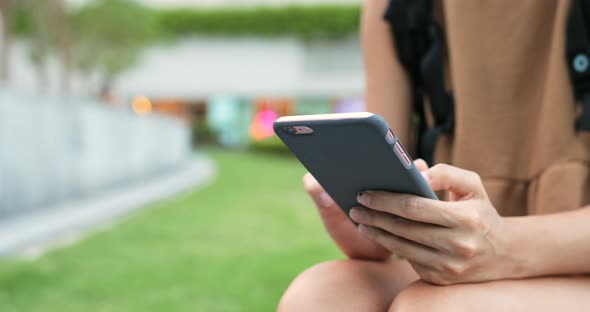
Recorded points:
(290,130)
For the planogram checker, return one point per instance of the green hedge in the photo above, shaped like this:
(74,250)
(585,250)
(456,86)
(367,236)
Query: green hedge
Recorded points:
(305,22)
(203,134)
(330,21)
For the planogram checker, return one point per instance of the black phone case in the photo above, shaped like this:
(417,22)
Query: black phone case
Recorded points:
(347,156)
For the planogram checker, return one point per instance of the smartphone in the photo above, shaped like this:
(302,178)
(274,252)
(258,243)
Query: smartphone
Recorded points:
(351,152)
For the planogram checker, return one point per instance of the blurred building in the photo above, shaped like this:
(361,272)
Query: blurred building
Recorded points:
(244,76)
(189,78)
(220,84)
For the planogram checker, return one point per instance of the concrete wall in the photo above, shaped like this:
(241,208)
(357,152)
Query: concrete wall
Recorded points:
(52,150)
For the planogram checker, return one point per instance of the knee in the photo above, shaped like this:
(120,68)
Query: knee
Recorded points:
(314,285)
(421,296)
(337,286)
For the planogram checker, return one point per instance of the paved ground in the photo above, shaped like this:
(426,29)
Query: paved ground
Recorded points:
(31,235)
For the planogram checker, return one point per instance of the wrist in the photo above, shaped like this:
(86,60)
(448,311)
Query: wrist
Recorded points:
(521,253)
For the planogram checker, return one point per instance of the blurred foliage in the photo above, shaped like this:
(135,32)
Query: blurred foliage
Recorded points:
(203,134)
(109,34)
(306,22)
(272,145)
(21,21)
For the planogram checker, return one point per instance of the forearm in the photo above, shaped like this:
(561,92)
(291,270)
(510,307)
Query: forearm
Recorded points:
(387,90)
(552,244)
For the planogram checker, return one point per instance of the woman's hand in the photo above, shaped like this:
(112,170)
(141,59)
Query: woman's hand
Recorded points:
(341,229)
(447,242)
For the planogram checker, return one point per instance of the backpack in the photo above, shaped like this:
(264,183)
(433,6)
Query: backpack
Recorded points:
(420,46)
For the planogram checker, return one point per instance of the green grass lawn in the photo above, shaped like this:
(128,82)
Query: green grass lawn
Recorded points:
(233,245)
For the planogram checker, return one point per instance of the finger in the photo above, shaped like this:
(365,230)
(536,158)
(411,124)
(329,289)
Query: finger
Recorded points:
(409,207)
(400,246)
(463,182)
(421,164)
(425,234)
(317,192)
(336,222)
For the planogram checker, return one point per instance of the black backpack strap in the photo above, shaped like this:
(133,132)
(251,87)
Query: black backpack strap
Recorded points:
(410,20)
(578,58)
(442,103)
(409,24)
(420,46)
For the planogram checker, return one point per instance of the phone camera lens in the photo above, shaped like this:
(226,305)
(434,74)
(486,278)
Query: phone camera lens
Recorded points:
(290,130)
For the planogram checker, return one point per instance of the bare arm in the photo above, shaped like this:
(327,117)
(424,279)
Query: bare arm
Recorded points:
(552,244)
(387,84)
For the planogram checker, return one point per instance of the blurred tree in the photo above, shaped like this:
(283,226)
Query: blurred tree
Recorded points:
(6,7)
(62,27)
(49,27)
(40,20)
(108,36)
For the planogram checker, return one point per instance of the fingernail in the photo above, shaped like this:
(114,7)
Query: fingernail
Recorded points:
(363,229)
(425,175)
(357,214)
(325,200)
(364,198)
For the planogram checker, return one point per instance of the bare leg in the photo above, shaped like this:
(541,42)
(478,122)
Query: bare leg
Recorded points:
(538,294)
(351,285)
(348,285)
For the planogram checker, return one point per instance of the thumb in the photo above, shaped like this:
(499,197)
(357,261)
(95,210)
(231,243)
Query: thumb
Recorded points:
(461,182)
(420,164)
(317,193)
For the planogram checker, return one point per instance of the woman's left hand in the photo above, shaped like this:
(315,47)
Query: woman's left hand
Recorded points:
(447,242)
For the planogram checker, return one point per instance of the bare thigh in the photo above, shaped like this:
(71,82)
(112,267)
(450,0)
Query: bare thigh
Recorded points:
(537,294)
(352,285)
(348,285)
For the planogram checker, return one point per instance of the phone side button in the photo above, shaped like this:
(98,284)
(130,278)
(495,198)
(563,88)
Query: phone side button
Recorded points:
(399,149)
(407,159)
(390,136)
(402,155)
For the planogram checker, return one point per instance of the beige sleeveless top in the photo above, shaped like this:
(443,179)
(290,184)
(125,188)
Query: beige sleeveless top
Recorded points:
(515,108)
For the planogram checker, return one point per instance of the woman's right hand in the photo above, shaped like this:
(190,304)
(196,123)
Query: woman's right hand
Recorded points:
(341,229)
